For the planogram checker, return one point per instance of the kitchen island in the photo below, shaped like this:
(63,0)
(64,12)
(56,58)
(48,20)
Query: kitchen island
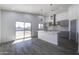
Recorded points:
(48,36)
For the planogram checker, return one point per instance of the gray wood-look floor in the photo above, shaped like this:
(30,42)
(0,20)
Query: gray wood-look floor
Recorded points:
(33,46)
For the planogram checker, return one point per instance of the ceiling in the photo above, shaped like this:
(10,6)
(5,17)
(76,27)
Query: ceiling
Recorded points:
(41,9)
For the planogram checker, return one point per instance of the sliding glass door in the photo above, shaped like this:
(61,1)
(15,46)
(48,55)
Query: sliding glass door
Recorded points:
(27,30)
(23,30)
(19,30)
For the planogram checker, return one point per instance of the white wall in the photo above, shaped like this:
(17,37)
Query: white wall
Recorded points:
(62,16)
(0,26)
(73,12)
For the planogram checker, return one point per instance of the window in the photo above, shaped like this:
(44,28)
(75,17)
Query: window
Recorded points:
(40,26)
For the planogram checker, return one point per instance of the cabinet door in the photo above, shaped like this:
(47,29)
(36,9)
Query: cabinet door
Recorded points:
(73,30)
